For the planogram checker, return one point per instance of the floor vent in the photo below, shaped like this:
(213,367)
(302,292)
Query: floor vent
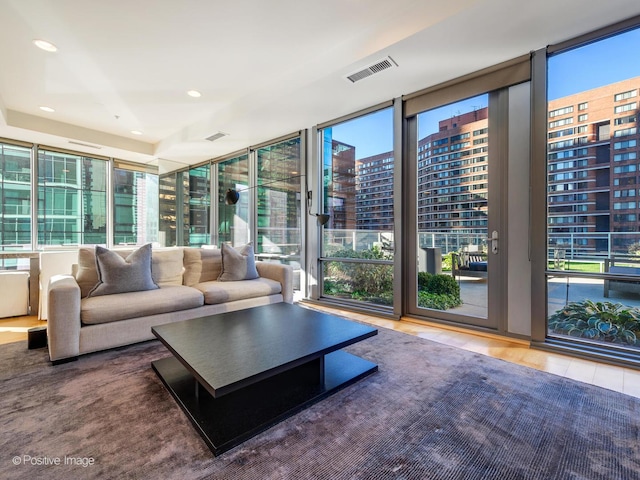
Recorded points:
(377,67)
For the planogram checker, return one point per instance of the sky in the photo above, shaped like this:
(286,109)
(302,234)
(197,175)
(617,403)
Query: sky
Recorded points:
(594,65)
(591,66)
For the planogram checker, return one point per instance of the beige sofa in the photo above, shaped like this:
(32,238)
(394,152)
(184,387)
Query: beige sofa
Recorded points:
(187,277)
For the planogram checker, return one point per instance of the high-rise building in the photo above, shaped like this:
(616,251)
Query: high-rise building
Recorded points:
(593,166)
(340,184)
(452,175)
(374,192)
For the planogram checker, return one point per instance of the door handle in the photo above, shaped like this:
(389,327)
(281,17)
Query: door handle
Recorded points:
(494,242)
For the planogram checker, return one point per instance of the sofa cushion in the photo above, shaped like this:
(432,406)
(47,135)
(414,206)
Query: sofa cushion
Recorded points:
(201,265)
(220,292)
(121,275)
(111,308)
(167,266)
(238,264)
(87,273)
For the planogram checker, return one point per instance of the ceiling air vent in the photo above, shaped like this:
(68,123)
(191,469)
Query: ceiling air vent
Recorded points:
(377,67)
(216,136)
(85,144)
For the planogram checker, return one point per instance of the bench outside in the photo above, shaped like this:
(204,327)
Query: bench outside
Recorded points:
(627,268)
(469,265)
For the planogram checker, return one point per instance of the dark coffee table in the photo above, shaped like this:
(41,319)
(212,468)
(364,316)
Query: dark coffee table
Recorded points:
(237,374)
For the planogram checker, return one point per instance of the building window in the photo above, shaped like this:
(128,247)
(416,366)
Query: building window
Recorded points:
(560,111)
(583,106)
(625,108)
(624,193)
(623,120)
(624,95)
(625,144)
(561,122)
(625,169)
(621,157)
(625,132)
(624,205)
(583,118)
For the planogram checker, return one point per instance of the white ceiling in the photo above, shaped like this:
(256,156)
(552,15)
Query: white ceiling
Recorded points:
(265,68)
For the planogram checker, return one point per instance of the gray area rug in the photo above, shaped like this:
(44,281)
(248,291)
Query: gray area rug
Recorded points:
(431,412)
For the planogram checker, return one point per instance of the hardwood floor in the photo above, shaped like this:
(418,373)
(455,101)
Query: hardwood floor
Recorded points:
(620,379)
(14,329)
(625,380)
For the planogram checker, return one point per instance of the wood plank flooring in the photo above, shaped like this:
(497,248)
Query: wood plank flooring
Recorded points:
(625,380)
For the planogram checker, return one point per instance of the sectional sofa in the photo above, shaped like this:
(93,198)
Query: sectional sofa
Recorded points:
(186,283)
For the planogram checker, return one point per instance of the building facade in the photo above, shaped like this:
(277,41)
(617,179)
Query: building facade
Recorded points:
(593,168)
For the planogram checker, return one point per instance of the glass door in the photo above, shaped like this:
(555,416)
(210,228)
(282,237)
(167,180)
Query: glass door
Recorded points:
(457,242)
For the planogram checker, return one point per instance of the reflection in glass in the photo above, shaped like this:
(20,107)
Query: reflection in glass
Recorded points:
(593,197)
(72,199)
(135,207)
(233,220)
(167,206)
(199,205)
(452,207)
(15,197)
(279,204)
(358,163)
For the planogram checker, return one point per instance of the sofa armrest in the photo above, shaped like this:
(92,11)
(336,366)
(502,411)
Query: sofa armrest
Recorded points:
(63,323)
(280,273)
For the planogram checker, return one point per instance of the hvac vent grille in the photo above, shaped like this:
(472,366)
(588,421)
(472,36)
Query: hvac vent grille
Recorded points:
(216,136)
(377,67)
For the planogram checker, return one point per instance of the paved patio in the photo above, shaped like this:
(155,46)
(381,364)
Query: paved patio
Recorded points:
(560,292)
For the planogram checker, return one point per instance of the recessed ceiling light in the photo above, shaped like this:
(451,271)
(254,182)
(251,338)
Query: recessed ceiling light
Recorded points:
(136,132)
(46,46)
(194,93)
(47,109)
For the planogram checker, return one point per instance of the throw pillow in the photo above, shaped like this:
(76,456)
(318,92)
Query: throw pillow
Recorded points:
(120,275)
(238,264)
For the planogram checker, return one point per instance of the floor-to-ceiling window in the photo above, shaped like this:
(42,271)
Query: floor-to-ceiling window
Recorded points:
(593,193)
(72,199)
(135,204)
(233,219)
(15,200)
(167,233)
(279,203)
(357,247)
(199,206)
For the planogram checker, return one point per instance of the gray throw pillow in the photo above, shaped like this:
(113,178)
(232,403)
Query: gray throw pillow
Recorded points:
(120,275)
(238,264)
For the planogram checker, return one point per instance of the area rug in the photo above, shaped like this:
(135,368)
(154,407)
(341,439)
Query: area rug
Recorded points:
(430,412)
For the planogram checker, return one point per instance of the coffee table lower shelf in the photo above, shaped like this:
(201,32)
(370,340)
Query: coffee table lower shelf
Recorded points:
(229,420)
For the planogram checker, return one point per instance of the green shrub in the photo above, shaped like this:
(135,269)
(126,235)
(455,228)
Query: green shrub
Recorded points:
(439,291)
(439,283)
(362,281)
(604,321)
(423,280)
(437,301)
